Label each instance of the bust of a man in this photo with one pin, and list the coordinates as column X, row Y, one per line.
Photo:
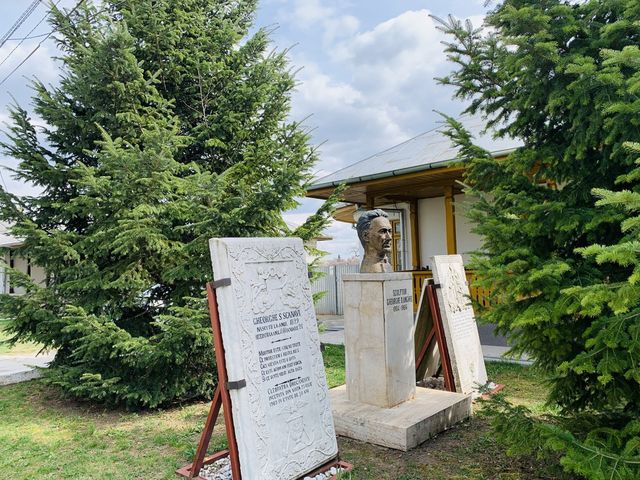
column 374, row 232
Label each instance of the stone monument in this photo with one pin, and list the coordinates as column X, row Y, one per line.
column 374, row 232
column 380, row 402
column 281, row 412
column 378, row 334
column 459, row 324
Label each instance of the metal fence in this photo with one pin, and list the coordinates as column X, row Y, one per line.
column 331, row 284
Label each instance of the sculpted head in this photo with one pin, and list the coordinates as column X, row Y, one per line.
column 374, row 232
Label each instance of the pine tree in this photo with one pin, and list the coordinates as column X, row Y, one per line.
column 169, row 127
column 562, row 77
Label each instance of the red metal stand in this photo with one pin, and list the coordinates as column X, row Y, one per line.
column 425, row 348
column 221, row 398
column 437, row 331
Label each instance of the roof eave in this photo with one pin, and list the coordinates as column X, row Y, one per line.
column 401, row 171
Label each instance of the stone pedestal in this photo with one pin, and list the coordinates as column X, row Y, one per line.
column 378, row 324
column 404, row 426
column 380, row 403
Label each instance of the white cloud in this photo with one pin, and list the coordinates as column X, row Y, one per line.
column 305, row 14
column 402, row 51
column 333, row 93
column 375, row 90
column 40, row 64
column 344, row 240
column 352, row 123
column 339, row 26
column 383, row 94
column 4, row 120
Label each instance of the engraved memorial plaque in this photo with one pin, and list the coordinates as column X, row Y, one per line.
column 282, row 417
column 378, row 313
column 459, row 323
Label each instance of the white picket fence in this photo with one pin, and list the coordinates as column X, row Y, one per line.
column 331, row 284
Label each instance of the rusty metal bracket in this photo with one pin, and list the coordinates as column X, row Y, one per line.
column 431, row 281
column 236, row 385
column 223, row 282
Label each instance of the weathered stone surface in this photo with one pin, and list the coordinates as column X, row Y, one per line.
column 404, row 426
column 282, row 418
column 378, row 318
column 460, row 328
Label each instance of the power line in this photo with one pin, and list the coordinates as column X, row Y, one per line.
column 39, row 45
column 27, row 37
column 19, row 22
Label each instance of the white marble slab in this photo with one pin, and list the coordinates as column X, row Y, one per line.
column 282, row 418
column 460, row 328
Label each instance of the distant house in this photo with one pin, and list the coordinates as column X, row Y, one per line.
column 417, row 183
column 9, row 257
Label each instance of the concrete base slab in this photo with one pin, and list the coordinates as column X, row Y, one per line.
column 404, row 426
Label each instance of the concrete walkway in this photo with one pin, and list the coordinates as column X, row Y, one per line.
column 20, row 368
column 333, row 333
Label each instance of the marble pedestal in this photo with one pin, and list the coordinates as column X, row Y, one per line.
column 380, row 402
column 378, row 334
column 404, row 426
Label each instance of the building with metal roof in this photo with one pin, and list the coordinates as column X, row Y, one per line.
column 418, row 182
column 429, row 150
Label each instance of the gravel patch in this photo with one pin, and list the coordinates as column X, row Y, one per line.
column 221, row 470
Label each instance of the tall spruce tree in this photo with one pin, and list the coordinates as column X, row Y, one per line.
column 562, row 77
column 169, row 126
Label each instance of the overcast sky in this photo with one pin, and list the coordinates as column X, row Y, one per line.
column 366, row 84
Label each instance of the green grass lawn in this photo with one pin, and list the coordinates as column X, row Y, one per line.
column 45, row 436
column 17, row 349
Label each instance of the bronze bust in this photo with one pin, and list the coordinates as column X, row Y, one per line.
column 374, row 232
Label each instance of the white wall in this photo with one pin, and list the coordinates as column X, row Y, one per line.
column 4, row 286
column 38, row 274
column 466, row 241
column 21, row 264
column 432, row 231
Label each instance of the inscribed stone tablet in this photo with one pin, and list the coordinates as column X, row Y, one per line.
column 282, row 418
column 461, row 331
column 378, row 317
